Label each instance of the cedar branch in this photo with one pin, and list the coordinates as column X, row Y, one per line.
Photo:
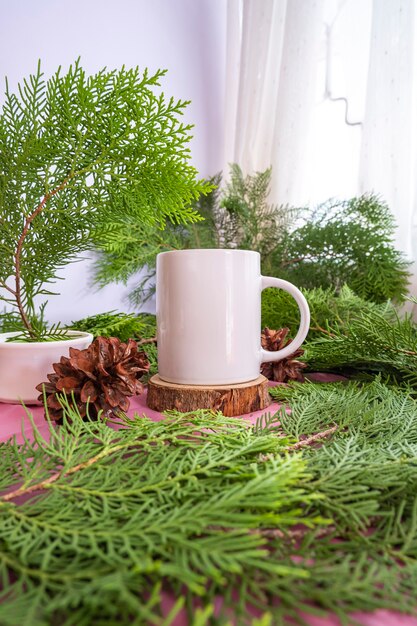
column 302, row 443
column 143, row 342
column 18, row 255
column 44, row 484
column 322, row 330
column 9, row 289
column 313, row 438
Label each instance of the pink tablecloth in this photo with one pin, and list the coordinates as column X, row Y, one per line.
column 11, row 424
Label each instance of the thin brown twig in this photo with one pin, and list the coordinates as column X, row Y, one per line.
column 300, row 444
column 323, row 330
column 44, row 484
column 410, row 352
column 313, row 438
column 292, row 261
column 9, row 289
column 18, row 292
column 296, row 533
column 143, row 342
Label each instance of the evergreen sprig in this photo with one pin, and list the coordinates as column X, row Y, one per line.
column 370, row 343
column 311, row 510
column 132, row 248
column 366, row 470
column 110, row 515
column 244, row 218
column 79, row 158
column 118, row 324
column 340, row 243
column 331, row 310
column 335, row 244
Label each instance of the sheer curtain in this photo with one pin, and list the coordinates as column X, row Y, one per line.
column 325, row 91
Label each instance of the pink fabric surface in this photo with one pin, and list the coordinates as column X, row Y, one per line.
column 14, row 421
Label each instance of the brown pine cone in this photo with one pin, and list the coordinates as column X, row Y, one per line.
column 287, row 369
column 105, row 374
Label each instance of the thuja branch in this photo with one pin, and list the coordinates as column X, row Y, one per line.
column 74, row 126
column 143, row 342
column 47, row 482
column 302, row 443
column 18, row 255
column 3, row 285
column 221, row 519
column 308, row 441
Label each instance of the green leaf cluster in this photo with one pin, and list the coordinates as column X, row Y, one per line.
column 331, row 311
column 82, row 158
column 349, row 335
column 239, row 215
column 372, row 344
column 341, row 243
column 10, row 322
column 366, row 472
column 373, row 450
column 117, row 324
column 133, row 248
column 174, row 505
column 335, row 244
column 222, row 517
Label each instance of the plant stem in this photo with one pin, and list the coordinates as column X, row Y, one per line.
column 312, row 439
column 302, row 443
column 18, row 255
column 322, row 330
column 44, row 484
column 9, row 289
column 142, row 342
column 106, row 452
column 292, row 261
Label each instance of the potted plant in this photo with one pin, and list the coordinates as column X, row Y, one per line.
column 80, row 156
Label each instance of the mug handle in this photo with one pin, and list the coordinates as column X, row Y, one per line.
column 268, row 356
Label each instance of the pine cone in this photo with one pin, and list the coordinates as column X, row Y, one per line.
column 287, row 369
column 106, row 374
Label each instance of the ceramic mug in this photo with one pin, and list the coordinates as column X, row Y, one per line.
column 208, row 307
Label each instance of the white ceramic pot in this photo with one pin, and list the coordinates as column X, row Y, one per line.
column 25, row 365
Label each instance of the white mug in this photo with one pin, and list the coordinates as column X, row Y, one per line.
column 208, row 307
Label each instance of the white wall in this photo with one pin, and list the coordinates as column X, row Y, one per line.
column 187, row 37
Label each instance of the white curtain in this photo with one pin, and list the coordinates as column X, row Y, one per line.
column 325, row 91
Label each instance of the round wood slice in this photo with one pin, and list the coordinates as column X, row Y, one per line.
column 231, row 400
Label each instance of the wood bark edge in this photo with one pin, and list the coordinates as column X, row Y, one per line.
column 231, row 400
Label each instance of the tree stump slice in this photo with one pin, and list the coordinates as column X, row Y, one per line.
column 231, row 400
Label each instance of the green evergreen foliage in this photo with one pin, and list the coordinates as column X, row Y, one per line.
column 170, row 503
column 312, row 510
column 373, row 450
column 152, row 354
column 344, row 243
column 80, row 158
column 334, row 244
column 239, row 215
column 349, row 335
column 371, row 343
column 115, row 324
column 124, row 326
column 366, row 471
column 330, row 310
column 205, row 234
column 10, row 322
column 133, row 247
